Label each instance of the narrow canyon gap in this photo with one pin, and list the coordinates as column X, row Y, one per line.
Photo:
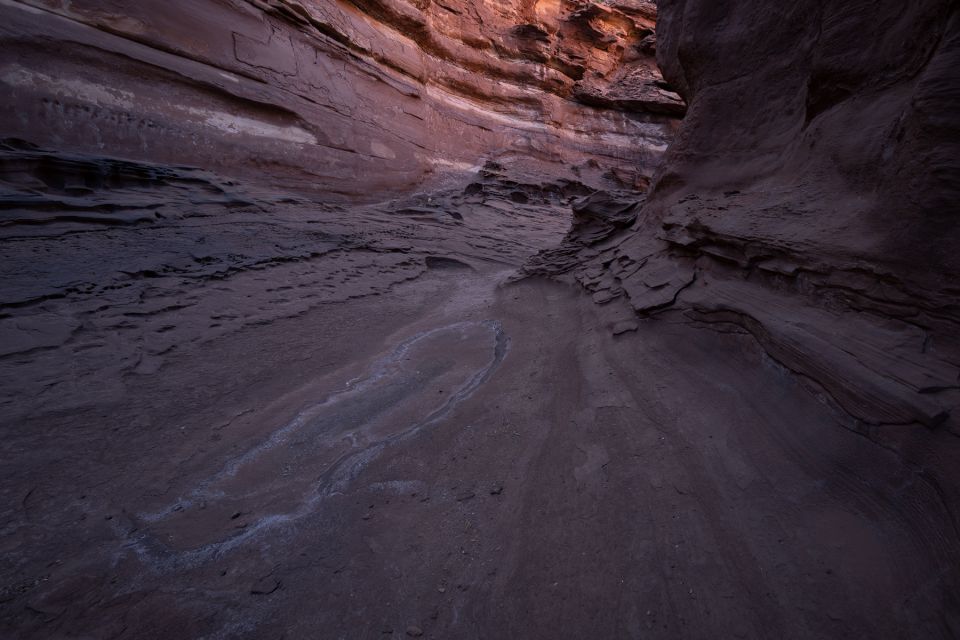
column 479, row 319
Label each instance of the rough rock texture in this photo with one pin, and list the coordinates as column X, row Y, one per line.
column 272, row 364
column 131, row 263
column 811, row 198
column 354, row 98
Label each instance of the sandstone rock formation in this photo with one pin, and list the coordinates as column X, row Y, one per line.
column 294, row 339
column 338, row 97
column 811, row 198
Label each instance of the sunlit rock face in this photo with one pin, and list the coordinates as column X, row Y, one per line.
column 349, row 98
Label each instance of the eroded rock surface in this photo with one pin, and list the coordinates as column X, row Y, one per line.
column 359, row 99
column 810, row 198
column 273, row 364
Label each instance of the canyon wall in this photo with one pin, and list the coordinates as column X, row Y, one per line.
column 237, row 402
column 811, row 199
column 358, row 99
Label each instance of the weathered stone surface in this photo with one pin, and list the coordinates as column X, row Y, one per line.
column 272, row 364
column 811, row 196
column 349, row 98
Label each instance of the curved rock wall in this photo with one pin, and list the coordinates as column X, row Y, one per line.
column 250, row 414
column 811, row 197
column 355, row 98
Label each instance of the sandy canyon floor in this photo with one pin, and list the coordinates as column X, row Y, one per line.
column 359, row 422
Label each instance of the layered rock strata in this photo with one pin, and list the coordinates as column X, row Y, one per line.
column 810, row 199
column 349, row 98
column 238, row 402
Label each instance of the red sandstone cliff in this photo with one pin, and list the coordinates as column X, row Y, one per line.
column 355, row 98
column 263, row 372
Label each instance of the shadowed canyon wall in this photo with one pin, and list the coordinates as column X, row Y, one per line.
column 354, row 98
column 811, row 198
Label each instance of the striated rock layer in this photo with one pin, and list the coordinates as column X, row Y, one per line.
column 271, row 367
column 353, row 98
column 810, row 199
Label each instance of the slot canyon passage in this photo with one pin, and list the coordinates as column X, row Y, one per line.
column 479, row 319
